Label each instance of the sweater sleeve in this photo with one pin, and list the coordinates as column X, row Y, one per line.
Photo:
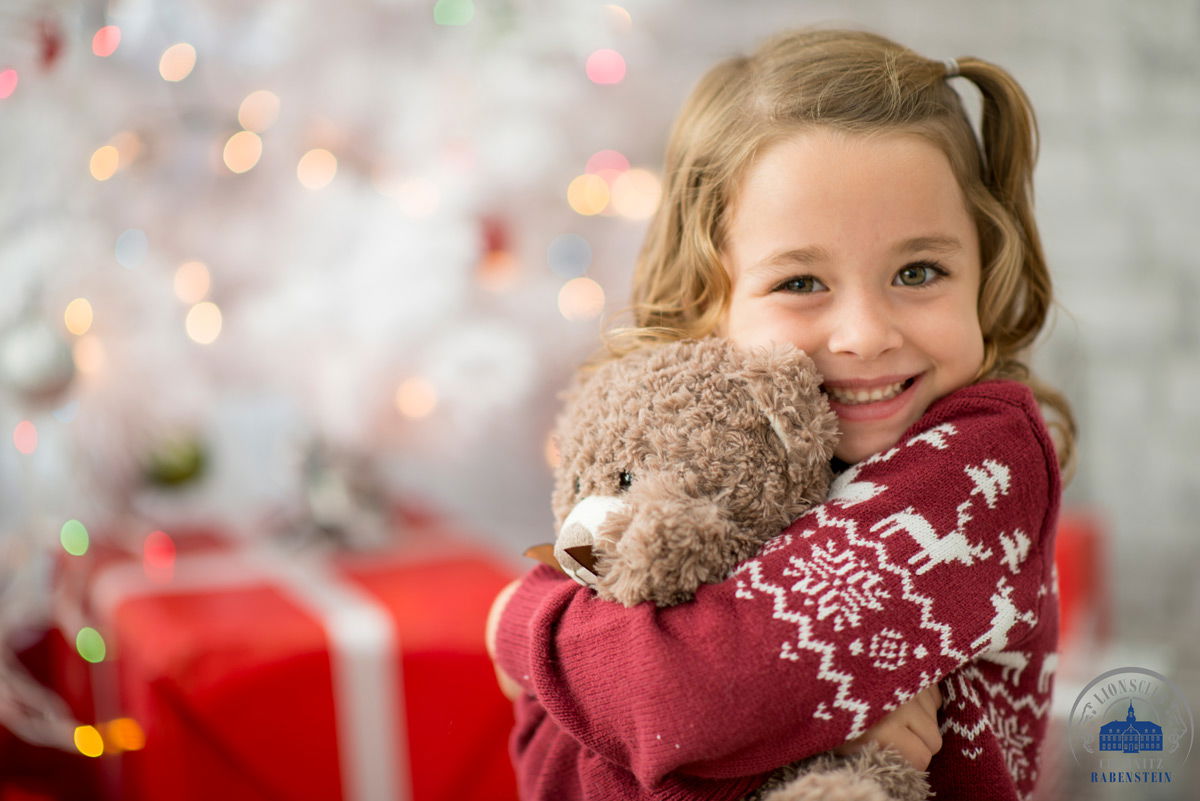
column 923, row 558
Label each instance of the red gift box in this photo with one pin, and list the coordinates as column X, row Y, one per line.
column 257, row 675
column 1084, row 597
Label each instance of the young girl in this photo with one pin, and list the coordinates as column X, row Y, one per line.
column 829, row 191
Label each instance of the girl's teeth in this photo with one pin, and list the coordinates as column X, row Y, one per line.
column 852, row 396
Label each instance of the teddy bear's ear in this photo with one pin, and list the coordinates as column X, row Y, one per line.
column 785, row 384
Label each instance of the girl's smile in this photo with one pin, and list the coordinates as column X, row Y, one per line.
column 869, row 400
column 859, row 250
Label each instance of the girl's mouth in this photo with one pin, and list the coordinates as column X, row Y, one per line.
column 854, row 405
column 857, row 397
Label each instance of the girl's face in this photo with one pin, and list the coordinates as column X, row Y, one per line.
column 860, row 251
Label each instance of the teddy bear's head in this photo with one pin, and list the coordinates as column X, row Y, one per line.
column 678, row 461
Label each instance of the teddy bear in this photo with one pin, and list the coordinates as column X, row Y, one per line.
column 680, row 460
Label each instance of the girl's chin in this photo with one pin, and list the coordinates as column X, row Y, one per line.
column 858, row 445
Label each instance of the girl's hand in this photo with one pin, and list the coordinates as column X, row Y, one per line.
column 507, row 685
column 911, row 729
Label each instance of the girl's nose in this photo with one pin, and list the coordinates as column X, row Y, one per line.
column 863, row 325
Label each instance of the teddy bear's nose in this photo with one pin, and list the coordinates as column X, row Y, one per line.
column 583, row 555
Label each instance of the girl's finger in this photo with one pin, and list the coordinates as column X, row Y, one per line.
column 913, row 749
column 927, row 732
column 930, row 699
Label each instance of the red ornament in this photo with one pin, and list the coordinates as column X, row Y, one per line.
column 50, row 43
column 495, row 234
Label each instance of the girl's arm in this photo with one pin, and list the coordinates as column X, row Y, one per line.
column 925, row 557
column 911, row 729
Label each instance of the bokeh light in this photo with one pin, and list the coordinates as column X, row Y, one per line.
column 89, row 355
column 129, row 145
column 316, row 168
column 192, row 282
column 619, row 17
column 74, row 537
column 177, row 62
column 125, row 734
column 550, row 452
column 25, row 437
column 88, row 741
column 453, row 12
column 416, row 398
column 581, row 299
column 242, row 151
column 106, row 41
column 90, row 645
column 570, row 255
column 66, row 413
column 105, row 162
column 203, row 323
column 8, row 82
column 158, row 557
column 608, row 164
column 588, row 194
column 259, row 111
column 636, row 194
column 132, row 246
column 498, row 271
column 605, row 67
column 78, row 316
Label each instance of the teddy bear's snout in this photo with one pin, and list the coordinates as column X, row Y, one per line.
column 573, row 548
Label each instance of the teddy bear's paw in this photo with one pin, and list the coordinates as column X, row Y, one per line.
column 870, row 774
column 840, row 785
column 883, row 767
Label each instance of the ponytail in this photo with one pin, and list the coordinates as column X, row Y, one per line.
column 1016, row 293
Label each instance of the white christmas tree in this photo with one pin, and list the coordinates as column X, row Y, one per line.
column 236, row 235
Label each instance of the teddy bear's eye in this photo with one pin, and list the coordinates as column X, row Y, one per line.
column 624, row 481
column 576, row 486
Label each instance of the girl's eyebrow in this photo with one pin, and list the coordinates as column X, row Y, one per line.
column 814, row 254
column 939, row 243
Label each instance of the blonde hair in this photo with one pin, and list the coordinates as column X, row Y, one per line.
column 861, row 83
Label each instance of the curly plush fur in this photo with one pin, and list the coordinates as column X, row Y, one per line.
column 681, row 460
column 721, row 449
column 872, row 774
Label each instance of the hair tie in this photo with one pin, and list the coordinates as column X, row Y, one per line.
column 951, row 65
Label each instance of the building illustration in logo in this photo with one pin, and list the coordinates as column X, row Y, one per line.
column 1131, row 735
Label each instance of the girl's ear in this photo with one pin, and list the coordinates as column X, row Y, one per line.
column 785, row 385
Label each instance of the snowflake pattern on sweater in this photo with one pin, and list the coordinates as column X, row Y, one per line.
column 843, row 578
column 929, row 563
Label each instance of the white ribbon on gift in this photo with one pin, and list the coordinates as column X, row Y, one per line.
column 364, row 657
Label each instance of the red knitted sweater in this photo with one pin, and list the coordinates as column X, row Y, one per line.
column 929, row 562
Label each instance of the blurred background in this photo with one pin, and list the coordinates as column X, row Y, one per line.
column 289, row 289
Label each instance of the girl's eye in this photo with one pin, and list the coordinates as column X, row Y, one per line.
column 624, row 481
column 801, row 284
column 919, row 274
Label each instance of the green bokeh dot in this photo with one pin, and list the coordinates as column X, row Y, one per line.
column 90, row 644
column 453, row 12
column 74, row 538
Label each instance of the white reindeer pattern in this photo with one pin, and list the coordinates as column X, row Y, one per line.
column 935, row 550
column 991, row 480
column 1007, row 615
